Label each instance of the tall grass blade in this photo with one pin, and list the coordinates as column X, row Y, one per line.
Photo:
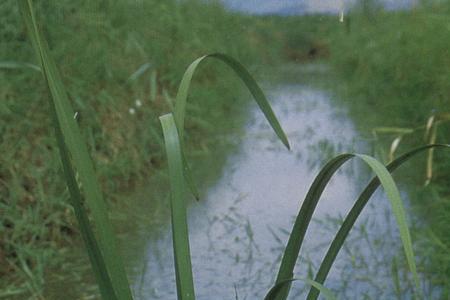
column 139, row 72
column 304, row 217
column 76, row 158
column 394, row 130
column 153, row 85
column 180, row 237
column 354, row 213
column 278, row 288
column 394, row 146
column 87, row 233
column 18, row 65
column 398, row 210
column 298, row 232
column 429, row 171
column 430, row 123
column 244, row 75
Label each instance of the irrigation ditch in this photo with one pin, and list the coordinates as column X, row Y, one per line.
column 250, row 195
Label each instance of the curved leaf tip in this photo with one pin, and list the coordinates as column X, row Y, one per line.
column 246, row 78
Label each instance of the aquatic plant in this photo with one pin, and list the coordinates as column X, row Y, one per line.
column 92, row 214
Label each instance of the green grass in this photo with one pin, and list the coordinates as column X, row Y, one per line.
column 119, row 80
column 106, row 261
column 92, row 213
column 285, row 275
column 396, row 64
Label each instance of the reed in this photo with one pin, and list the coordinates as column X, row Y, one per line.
column 92, row 214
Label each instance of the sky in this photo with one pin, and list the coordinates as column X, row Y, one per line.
column 302, row 6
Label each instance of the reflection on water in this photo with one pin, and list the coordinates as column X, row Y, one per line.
column 239, row 230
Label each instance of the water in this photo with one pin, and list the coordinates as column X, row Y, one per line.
column 239, row 229
column 295, row 7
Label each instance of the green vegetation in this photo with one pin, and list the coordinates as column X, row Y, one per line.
column 119, row 80
column 122, row 73
column 396, row 63
column 100, row 245
column 106, row 261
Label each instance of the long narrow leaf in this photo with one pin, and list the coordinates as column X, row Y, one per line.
column 87, row 233
column 298, row 232
column 354, row 213
column 255, row 90
column 393, row 194
column 78, row 154
column 244, row 75
column 18, row 65
column 304, row 217
column 277, row 289
column 183, row 266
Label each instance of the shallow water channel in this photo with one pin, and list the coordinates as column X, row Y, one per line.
column 240, row 227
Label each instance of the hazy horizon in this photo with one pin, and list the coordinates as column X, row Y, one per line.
column 304, row 6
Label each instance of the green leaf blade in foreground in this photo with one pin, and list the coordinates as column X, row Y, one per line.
column 393, row 194
column 277, row 288
column 291, row 253
column 304, row 217
column 18, row 65
column 244, row 75
column 255, row 90
column 180, row 234
column 76, row 200
column 354, row 213
column 77, row 152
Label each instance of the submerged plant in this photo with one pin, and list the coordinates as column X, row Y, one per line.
column 98, row 235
